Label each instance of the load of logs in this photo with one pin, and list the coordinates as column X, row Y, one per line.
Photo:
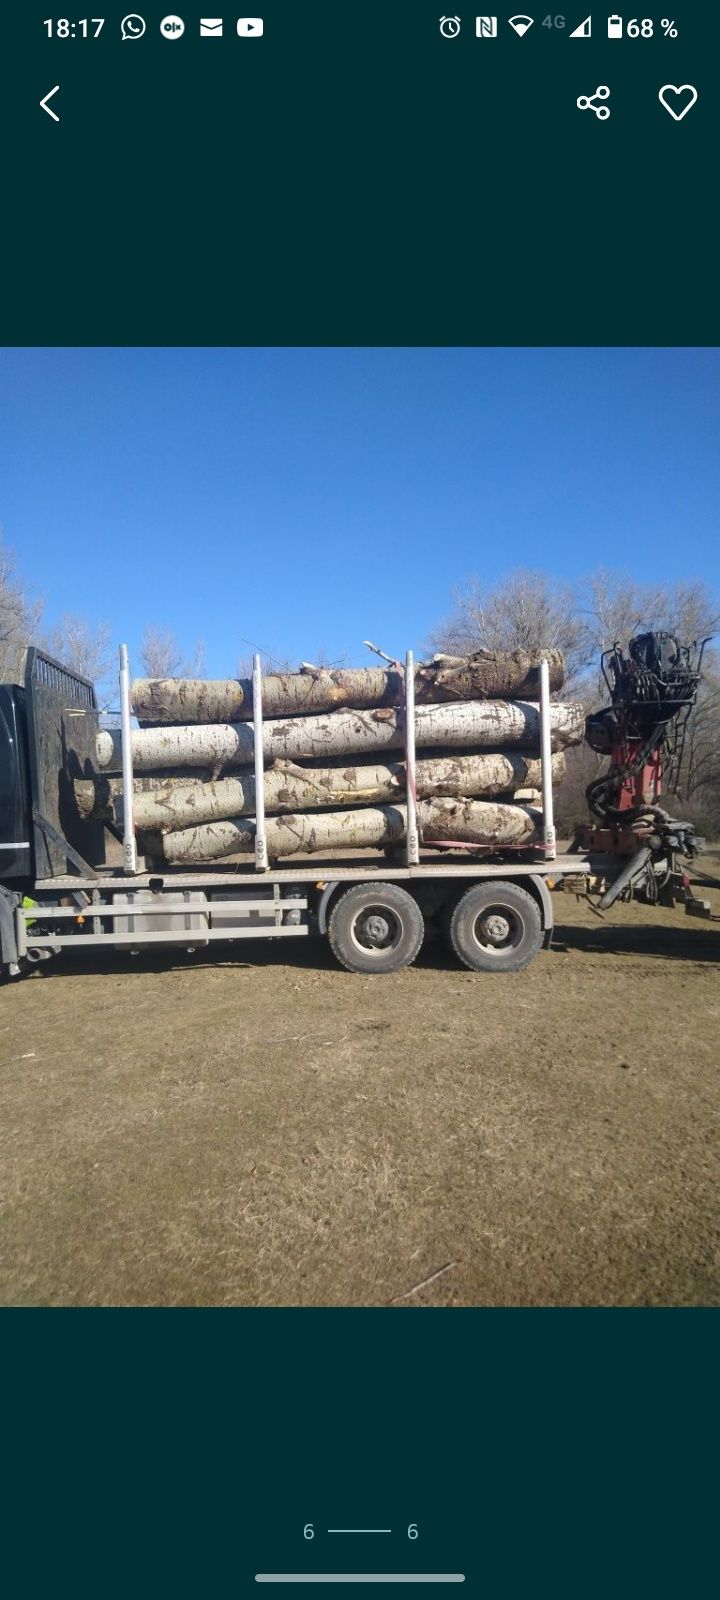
column 334, row 775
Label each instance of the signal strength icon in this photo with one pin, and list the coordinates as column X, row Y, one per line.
column 583, row 31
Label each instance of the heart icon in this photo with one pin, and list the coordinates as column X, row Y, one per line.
column 678, row 101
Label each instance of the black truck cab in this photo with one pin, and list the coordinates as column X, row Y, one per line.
column 47, row 738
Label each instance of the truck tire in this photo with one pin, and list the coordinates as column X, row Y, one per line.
column 375, row 927
column 496, row 927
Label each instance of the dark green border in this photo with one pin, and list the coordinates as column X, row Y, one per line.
column 354, row 179
column 180, row 1452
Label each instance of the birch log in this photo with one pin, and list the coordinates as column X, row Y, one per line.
column 488, row 674
column 487, row 724
column 171, row 803
column 476, row 822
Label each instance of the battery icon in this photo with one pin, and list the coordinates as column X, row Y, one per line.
column 615, row 27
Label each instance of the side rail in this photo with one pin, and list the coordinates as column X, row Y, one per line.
column 135, row 918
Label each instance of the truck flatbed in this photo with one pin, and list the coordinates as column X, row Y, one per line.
column 325, row 869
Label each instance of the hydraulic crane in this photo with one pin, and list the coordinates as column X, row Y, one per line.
column 653, row 689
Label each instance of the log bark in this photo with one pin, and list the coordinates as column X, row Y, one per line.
column 478, row 822
column 486, row 675
column 171, row 804
column 487, row 724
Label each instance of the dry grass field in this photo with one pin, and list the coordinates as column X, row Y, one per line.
column 272, row 1130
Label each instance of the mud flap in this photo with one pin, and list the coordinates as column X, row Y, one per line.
column 547, row 910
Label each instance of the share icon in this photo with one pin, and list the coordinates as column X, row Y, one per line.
column 589, row 102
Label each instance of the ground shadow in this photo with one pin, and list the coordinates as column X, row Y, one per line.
column 300, row 953
column 692, row 943
column 695, row 942
column 311, row 954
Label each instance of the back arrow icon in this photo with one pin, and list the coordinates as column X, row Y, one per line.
column 45, row 106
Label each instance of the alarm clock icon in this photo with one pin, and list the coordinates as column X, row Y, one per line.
column 449, row 27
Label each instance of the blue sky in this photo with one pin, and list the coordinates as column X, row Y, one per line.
column 314, row 498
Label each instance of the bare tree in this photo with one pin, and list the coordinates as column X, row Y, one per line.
column 162, row 656
column 524, row 611
column 270, row 661
column 688, row 610
column 615, row 607
column 19, row 618
column 699, row 783
column 84, row 647
column 320, row 657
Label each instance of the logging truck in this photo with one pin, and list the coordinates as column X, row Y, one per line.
column 60, row 890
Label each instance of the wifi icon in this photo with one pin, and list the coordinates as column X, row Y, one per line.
column 521, row 24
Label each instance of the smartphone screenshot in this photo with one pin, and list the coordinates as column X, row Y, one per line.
column 359, row 799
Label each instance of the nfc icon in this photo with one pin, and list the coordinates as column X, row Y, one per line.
column 486, row 27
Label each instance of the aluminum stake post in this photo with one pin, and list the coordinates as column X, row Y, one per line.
column 261, row 855
column 129, row 841
column 546, row 764
column 412, row 845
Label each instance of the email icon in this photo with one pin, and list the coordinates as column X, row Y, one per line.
column 211, row 27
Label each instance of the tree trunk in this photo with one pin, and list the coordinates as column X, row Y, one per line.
column 489, row 674
column 471, row 821
column 171, row 803
column 489, row 724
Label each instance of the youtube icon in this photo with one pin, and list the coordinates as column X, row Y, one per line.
column 250, row 27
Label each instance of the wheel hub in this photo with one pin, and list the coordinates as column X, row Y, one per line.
column 375, row 930
column 496, row 928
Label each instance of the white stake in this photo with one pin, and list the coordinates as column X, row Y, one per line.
column 261, row 855
column 412, row 847
column 546, row 764
column 129, row 843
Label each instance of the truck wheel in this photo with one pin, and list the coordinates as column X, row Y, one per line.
column 375, row 927
column 496, row 927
